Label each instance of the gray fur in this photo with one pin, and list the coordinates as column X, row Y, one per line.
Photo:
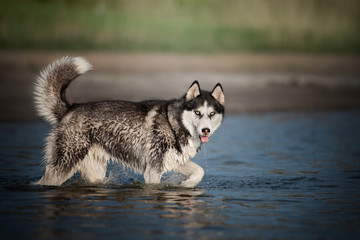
column 151, row 137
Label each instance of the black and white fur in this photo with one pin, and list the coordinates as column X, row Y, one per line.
column 152, row 137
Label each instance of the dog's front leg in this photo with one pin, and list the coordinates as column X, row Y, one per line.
column 192, row 171
column 152, row 176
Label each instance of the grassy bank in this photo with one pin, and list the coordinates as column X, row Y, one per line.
column 330, row 26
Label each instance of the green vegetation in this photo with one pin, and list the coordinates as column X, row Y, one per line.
column 331, row 26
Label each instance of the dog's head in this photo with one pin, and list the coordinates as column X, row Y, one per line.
column 204, row 111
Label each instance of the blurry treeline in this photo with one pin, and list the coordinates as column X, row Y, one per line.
column 330, row 26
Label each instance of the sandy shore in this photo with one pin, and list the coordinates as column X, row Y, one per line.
column 252, row 82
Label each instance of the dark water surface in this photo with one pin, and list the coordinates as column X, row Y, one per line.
column 275, row 175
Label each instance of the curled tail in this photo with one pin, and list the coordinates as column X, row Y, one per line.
column 50, row 86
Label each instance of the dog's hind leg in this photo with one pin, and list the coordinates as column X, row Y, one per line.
column 192, row 171
column 54, row 177
column 94, row 165
column 63, row 156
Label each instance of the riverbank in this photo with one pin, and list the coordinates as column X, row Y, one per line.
column 252, row 82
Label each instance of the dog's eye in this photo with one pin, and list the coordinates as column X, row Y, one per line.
column 212, row 114
column 197, row 113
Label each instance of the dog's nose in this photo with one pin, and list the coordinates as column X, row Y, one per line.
column 205, row 131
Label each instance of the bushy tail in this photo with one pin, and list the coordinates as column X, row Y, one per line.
column 50, row 86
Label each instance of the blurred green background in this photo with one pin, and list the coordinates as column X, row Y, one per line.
column 311, row 26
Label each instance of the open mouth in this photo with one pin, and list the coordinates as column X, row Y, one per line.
column 204, row 138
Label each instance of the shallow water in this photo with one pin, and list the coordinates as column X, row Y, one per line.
column 274, row 175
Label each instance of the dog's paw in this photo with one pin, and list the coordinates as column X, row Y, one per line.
column 188, row 184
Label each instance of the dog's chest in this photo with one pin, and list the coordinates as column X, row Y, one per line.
column 174, row 158
column 190, row 149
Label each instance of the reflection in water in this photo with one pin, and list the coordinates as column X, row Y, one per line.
column 99, row 206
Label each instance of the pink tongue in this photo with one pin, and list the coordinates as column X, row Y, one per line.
column 204, row 139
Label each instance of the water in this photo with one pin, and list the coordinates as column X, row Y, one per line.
column 275, row 175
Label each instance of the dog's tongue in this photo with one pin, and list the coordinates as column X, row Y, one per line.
column 204, row 139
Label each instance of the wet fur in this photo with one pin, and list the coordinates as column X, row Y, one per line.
column 151, row 137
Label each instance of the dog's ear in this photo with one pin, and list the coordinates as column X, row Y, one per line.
column 193, row 91
column 218, row 94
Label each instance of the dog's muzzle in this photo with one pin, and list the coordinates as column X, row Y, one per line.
column 205, row 135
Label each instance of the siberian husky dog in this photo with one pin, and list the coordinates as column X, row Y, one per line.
column 152, row 137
